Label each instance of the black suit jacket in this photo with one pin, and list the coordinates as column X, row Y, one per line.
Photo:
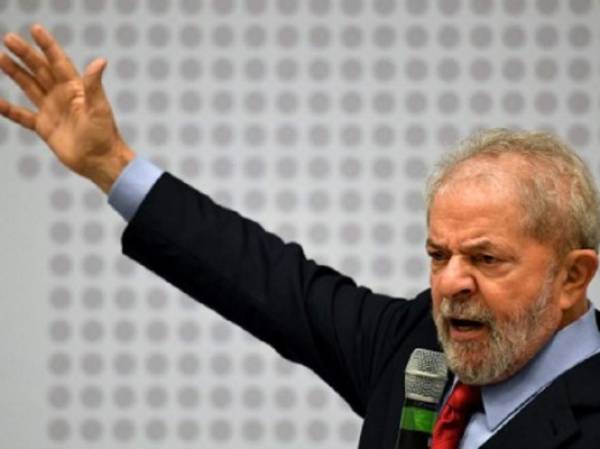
column 357, row 341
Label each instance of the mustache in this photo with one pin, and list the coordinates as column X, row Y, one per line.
column 466, row 309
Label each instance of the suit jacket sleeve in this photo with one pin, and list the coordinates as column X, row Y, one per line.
column 309, row 313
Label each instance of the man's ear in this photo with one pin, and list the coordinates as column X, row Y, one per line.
column 578, row 269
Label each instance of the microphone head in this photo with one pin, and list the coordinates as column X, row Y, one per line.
column 425, row 376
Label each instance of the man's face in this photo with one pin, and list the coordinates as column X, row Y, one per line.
column 492, row 284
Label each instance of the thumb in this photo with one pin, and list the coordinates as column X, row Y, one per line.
column 92, row 82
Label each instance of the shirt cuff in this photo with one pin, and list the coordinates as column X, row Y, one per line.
column 132, row 186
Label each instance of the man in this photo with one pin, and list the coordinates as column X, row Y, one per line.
column 513, row 233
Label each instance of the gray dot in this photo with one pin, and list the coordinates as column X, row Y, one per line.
column 188, row 430
column 156, row 396
column 287, row 69
column 92, row 363
column 350, row 201
column 58, row 429
column 350, row 233
column 156, row 430
column 59, row 363
column 126, row 35
column 59, row 397
column 513, row 69
column 547, row 7
column 382, row 201
column 416, row 7
column 253, row 397
column 253, row 364
column 481, row 103
column 190, row 101
column 190, row 6
column 221, row 364
column 129, row 132
column 124, row 267
column 254, row 135
column 481, row 69
column 61, row 199
column 545, row 102
column 351, row 7
column 189, row 364
column 513, row 36
column 285, row 430
column 415, row 135
column 255, row 101
column 254, row 167
column 189, row 331
column 94, row 6
column 385, row 36
column 546, row 36
column 157, row 298
column 252, row 430
column 256, row 6
column 222, row 7
column 126, row 101
column 286, row 167
column 126, row 6
column 287, row 36
column 255, row 69
column 513, row 102
column 156, row 331
column 319, row 70
column 319, row 36
column 190, row 69
column 414, row 201
column 416, row 102
column 287, row 232
column 92, row 265
column 158, row 6
column 319, row 102
column 482, row 7
column 220, row 430
column 320, row 7
column 578, row 135
column 319, row 168
column 384, row 7
column 414, row 266
column 318, row 200
column 156, row 364
column 514, row 7
column 61, row 232
column 222, row 167
column 158, row 101
column 3, row 128
column 125, row 298
column 351, row 36
column 481, row 36
column 382, row 233
column 189, row 135
column 61, row 6
column 546, row 69
column 384, row 102
column 351, row 69
column 318, row 233
column 60, row 264
column 91, row 397
column 319, row 135
column 317, row 430
column 316, row 398
column 350, row 265
column 579, row 69
column 60, row 297
column 384, row 69
column 92, row 331
column 254, row 200
column 416, row 36
column 190, row 35
column 285, row 398
column 255, row 36
column 447, row 135
column 222, row 36
column 127, row 68
column 62, row 32
column 384, row 136
column 448, row 102
column 580, row 6
column 221, row 331
column 94, row 35
column 447, row 70
column 579, row 36
column 222, row 69
column 221, row 397
column 188, row 397
column 223, row 197
column 414, row 234
column 448, row 36
column 123, row 430
column 579, row 102
column 350, row 168
column 415, row 168
column 124, row 331
column 383, row 168
column 382, row 267
column 222, row 135
column 28, row 165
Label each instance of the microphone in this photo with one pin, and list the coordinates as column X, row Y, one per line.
column 424, row 380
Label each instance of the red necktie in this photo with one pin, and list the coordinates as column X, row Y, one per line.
column 455, row 415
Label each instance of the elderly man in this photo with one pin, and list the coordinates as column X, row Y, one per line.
column 513, row 232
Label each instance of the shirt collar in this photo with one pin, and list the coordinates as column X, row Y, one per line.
column 571, row 345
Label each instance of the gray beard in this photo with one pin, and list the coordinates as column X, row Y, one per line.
column 487, row 362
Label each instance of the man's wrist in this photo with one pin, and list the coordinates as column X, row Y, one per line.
column 112, row 167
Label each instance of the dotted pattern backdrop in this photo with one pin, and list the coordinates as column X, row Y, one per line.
column 318, row 118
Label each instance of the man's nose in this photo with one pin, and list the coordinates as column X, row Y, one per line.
column 456, row 279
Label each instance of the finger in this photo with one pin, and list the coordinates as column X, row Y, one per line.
column 17, row 114
column 24, row 80
column 92, row 83
column 60, row 65
column 35, row 61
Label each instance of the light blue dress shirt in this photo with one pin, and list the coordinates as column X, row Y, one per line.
column 572, row 345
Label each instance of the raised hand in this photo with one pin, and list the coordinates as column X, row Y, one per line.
column 73, row 115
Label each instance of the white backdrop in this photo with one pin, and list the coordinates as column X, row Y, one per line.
column 320, row 119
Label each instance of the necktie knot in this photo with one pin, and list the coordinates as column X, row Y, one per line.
column 455, row 416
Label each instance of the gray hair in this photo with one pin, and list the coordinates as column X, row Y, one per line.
column 560, row 201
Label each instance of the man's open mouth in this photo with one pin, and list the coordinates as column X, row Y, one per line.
column 463, row 325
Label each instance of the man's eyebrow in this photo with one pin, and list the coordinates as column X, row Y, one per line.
column 480, row 244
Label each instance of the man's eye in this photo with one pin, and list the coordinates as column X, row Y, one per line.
column 436, row 256
column 485, row 259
